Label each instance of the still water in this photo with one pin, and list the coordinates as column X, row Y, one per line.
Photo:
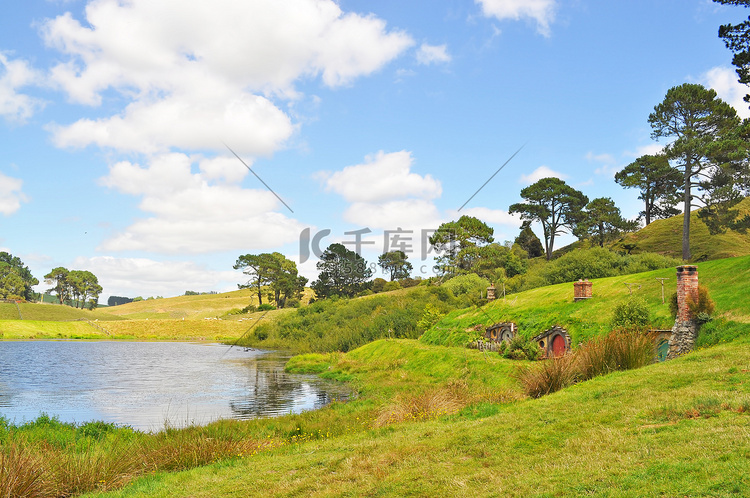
column 147, row 384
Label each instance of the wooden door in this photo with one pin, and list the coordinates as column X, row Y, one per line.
column 558, row 345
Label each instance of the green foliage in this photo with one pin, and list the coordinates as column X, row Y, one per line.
column 471, row 285
column 396, row 264
column 273, row 270
column 520, row 348
column 631, row 314
column 659, row 186
column 378, row 284
column 342, row 273
column 391, row 286
column 602, row 222
column 430, row 317
column 266, row 307
column 529, row 242
column 458, row 241
column 554, row 204
column 338, row 324
column 16, row 280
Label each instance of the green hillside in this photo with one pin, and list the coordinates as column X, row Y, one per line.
column 539, row 309
column 665, row 237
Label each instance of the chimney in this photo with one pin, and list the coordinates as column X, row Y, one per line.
column 687, row 285
column 491, row 292
column 583, row 289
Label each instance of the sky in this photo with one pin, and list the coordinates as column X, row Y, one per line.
column 153, row 142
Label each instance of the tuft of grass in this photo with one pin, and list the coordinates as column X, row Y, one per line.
column 619, row 350
column 21, row 472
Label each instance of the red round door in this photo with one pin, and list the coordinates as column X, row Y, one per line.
column 558, row 345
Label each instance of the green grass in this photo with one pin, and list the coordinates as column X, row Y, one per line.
column 669, row 429
column 539, row 309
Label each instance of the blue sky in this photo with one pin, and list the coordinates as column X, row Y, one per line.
column 115, row 118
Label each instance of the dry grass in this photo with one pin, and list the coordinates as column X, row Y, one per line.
column 619, row 350
column 21, row 473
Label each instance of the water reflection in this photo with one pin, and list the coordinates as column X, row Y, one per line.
column 145, row 384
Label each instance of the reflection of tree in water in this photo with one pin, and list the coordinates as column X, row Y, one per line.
column 271, row 391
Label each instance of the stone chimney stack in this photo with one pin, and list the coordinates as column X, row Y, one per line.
column 491, row 292
column 685, row 330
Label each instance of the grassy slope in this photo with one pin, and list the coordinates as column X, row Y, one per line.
column 677, row 429
column 177, row 318
column 538, row 309
column 665, row 237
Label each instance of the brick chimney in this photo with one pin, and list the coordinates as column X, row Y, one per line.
column 685, row 330
column 583, row 289
column 687, row 285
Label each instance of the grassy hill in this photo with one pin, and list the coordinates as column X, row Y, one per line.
column 539, row 309
column 665, row 237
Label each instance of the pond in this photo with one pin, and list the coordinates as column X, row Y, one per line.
column 146, row 385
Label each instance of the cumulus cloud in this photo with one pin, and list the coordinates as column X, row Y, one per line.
column 15, row 74
column 200, row 72
column 11, row 195
column 190, row 214
column 146, row 277
column 540, row 11
column 382, row 177
column 608, row 164
column 433, row 54
column 539, row 173
column 724, row 81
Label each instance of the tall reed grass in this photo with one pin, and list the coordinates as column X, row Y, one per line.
column 618, row 350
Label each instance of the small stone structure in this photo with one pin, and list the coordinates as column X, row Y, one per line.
column 685, row 329
column 583, row 289
column 554, row 342
column 491, row 292
column 501, row 331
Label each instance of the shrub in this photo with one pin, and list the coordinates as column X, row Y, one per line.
column 410, row 282
column 378, row 284
column 391, row 286
column 703, row 308
column 430, row 317
column 250, row 308
column 266, row 307
column 631, row 314
column 471, row 284
column 582, row 263
column 520, row 348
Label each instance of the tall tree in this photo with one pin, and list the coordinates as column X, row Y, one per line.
column 737, row 39
column 396, row 264
column 84, row 287
column 59, row 278
column 603, row 222
column 528, row 240
column 261, row 269
column 455, row 240
column 17, row 280
column 342, row 272
column 697, row 123
column 659, row 183
column 554, row 204
column 285, row 283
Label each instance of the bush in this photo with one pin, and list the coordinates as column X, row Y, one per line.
column 703, row 308
column 391, row 286
column 548, row 376
column 378, row 284
column 250, row 308
column 471, row 284
column 266, row 307
column 632, row 314
column 520, row 348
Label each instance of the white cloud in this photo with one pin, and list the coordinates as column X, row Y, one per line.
column 132, row 277
column 608, row 165
column 540, row 11
column 11, row 195
column 192, row 215
column 433, row 54
column 404, row 213
column 539, row 173
column 16, row 74
column 724, row 81
column 491, row 216
column 383, row 177
column 650, row 150
column 197, row 72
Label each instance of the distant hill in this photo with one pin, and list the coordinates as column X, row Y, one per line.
column 665, row 237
